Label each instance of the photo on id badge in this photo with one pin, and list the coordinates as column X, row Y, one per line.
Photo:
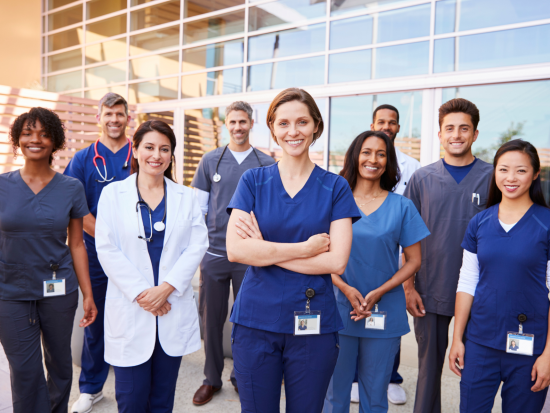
column 305, row 324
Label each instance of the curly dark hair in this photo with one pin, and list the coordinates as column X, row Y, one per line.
column 49, row 120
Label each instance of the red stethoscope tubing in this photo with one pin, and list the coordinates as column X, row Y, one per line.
column 98, row 156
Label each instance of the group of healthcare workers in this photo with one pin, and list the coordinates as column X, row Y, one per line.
column 314, row 260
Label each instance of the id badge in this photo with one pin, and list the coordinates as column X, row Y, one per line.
column 377, row 320
column 307, row 323
column 55, row 287
column 519, row 343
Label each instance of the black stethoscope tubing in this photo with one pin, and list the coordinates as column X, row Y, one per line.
column 217, row 177
column 140, row 203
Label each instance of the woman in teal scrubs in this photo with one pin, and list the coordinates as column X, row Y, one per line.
column 372, row 279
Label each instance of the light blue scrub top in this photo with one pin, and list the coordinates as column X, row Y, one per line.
column 374, row 259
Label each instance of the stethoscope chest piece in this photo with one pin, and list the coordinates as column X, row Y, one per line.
column 217, row 177
column 159, row 226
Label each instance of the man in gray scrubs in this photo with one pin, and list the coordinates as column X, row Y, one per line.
column 447, row 193
column 215, row 182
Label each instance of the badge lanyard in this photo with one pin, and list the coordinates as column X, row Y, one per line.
column 158, row 226
column 307, row 322
column 55, row 286
column 377, row 319
column 98, row 156
column 217, row 177
column 519, row 342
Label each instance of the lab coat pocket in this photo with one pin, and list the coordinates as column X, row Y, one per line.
column 184, row 232
column 188, row 317
column 119, row 319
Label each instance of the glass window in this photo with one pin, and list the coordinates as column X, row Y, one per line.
column 477, row 14
column 352, row 115
column 106, row 28
column 155, row 40
column 403, row 60
column 212, row 55
column 444, row 55
column 347, row 6
column 198, row 7
column 96, row 8
column 97, row 94
column 306, row 39
column 65, row 18
column 155, row 15
column 284, row 11
column 349, row 67
column 153, row 91
column 153, row 66
column 54, row 4
column 404, row 23
column 66, row 81
column 280, row 75
column 65, row 39
column 510, row 111
column 356, row 31
column 213, row 27
column 65, row 60
column 528, row 45
column 106, row 74
column 102, row 52
column 221, row 82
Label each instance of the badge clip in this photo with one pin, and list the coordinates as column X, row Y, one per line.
column 54, row 286
column 307, row 322
column 519, row 342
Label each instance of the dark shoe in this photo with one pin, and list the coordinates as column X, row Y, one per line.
column 204, row 394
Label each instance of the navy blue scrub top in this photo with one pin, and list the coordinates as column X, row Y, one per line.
column 33, row 234
column 512, row 278
column 374, row 259
column 82, row 168
column 155, row 246
column 269, row 295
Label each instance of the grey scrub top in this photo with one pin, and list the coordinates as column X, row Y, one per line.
column 221, row 192
column 446, row 207
column 33, row 234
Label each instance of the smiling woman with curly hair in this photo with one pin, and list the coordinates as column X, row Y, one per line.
column 39, row 272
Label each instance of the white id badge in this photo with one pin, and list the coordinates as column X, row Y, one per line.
column 377, row 320
column 307, row 323
column 54, row 287
column 518, row 343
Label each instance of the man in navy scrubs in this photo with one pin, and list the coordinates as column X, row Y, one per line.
column 447, row 193
column 215, row 181
column 114, row 150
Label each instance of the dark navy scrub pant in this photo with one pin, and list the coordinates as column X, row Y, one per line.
column 149, row 387
column 94, row 368
column 261, row 358
column 22, row 325
column 485, row 368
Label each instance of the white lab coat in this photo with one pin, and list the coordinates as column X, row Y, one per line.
column 130, row 331
column 407, row 166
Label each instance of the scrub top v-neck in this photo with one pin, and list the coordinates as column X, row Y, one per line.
column 512, row 276
column 269, row 295
column 33, row 234
column 374, row 259
column 154, row 247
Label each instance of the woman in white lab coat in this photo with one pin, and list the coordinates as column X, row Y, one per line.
column 150, row 240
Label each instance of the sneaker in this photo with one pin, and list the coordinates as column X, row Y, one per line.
column 355, row 393
column 396, row 394
column 85, row 402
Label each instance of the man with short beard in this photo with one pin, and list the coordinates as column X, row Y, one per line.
column 215, row 181
column 105, row 161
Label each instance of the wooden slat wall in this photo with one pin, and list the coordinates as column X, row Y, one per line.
column 78, row 115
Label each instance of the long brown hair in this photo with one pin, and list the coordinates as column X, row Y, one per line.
column 162, row 128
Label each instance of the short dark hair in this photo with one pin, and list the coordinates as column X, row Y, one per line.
column 459, row 105
column 390, row 107
column 535, row 190
column 294, row 94
column 162, row 128
column 390, row 177
column 50, row 122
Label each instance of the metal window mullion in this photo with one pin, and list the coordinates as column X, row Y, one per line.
column 327, row 40
column 245, row 48
column 432, row 42
column 180, row 67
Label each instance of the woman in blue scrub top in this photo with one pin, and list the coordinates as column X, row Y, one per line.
column 505, row 277
column 372, row 276
column 151, row 319
column 292, row 223
column 38, row 207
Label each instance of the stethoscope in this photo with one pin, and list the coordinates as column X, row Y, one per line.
column 217, row 177
column 98, row 156
column 158, row 226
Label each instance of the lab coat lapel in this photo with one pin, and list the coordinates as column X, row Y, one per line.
column 174, row 194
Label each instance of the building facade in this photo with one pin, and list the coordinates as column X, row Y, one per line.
column 185, row 60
